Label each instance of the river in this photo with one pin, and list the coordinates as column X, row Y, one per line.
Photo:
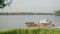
column 18, row 21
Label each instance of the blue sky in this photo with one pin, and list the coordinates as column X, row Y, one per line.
column 32, row 6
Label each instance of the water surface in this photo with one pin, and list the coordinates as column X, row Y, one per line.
column 18, row 21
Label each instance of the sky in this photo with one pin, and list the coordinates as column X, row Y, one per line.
column 32, row 6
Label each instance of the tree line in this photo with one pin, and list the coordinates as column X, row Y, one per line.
column 56, row 12
column 24, row 13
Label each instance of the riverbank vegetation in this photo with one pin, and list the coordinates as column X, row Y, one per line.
column 24, row 13
column 31, row 31
column 57, row 12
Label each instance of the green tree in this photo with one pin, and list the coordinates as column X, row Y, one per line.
column 4, row 3
column 57, row 12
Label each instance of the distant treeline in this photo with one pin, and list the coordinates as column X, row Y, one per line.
column 56, row 12
column 24, row 13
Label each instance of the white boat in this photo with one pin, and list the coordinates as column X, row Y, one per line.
column 42, row 23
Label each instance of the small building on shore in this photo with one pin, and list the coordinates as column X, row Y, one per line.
column 41, row 23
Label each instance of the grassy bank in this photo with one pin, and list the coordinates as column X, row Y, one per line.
column 31, row 31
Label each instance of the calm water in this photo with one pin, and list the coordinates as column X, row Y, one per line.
column 17, row 21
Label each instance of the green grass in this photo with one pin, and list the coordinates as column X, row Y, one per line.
column 31, row 31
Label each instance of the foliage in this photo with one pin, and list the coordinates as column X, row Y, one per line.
column 57, row 12
column 4, row 3
column 32, row 31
